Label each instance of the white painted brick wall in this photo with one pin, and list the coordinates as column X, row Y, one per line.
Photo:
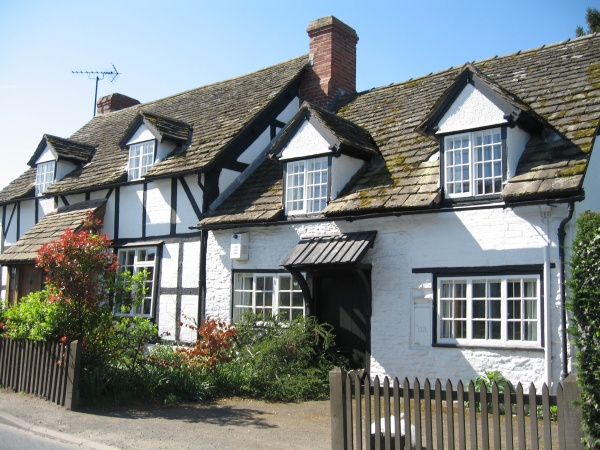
column 492, row 237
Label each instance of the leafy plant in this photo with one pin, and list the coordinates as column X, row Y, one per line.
column 213, row 346
column 584, row 303
column 286, row 361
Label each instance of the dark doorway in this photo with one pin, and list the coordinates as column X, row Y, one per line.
column 342, row 300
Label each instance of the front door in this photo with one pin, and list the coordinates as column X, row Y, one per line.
column 342, row 300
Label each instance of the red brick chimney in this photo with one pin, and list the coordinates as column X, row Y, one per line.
column 114, row 102
column 333, row 52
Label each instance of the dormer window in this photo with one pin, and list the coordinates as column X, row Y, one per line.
column 141, row 159
column 306, row 185
column 473, row 163
column 44, row 177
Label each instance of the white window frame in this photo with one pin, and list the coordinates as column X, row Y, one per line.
column 138, row 262
column 306, row 185
column 474, row 163
column 44, row 177
column 265, row 292
column 141, row 159
column 461, row 320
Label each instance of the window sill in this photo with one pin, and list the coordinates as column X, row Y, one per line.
column 489, row 347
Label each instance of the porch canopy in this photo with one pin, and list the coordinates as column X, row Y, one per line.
column 339, row 250
column 343, row 251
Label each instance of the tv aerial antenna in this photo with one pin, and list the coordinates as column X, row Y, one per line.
column 98, row 75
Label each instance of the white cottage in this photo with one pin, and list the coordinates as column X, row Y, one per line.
column 425, row 220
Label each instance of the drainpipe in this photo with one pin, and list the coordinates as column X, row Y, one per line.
column 563, row 285
column 545, row 212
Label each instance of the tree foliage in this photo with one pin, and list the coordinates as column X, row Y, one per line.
column 83, row 288
column 584, row 303
column 592, row 17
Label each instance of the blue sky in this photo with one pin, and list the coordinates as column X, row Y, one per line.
column 166, row 47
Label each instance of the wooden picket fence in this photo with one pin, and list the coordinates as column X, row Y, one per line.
column 440, row 416
column 47, row 369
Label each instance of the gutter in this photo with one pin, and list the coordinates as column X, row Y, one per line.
column 563, row 285
column 376, row 215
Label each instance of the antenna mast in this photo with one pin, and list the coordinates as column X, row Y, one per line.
column 98, row 75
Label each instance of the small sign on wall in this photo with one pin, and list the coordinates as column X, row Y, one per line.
column 421, row 330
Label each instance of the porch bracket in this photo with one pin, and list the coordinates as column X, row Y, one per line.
column 304, row 286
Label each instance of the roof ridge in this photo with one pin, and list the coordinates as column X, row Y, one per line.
column 479, row 61
column 216, row 83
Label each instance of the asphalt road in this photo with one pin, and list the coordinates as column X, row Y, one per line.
column 14, row 438
column 226, row 424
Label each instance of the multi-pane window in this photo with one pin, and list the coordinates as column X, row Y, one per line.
column 141, row 158
column 473, row 163
column 306, row 184
column 496, row 311
column 44, row 177
column 136, row 260
column 274, row 294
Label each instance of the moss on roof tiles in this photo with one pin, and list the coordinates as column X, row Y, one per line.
column 560, row 83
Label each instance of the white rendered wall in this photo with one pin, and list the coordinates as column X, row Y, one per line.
column 186, row 217
column 516, row 140
column 471, row 109
column 63, row 168
column 307, row 142
column 27, row 216
column 342, row 169
column 130, row 211
column 45, row 205
column 261, row 143
column 109, row 213
column 158, row 208
column 46, row 155
column 167, row 312
column 226, row 177
column 591, row 183
column 401, row 299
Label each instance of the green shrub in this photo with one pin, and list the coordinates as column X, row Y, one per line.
column 584, row 303
column 34, row 318
column 286, row 361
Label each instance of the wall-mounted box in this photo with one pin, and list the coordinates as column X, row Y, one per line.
column 239, row 246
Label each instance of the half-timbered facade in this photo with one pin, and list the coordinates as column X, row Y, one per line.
column 155, row 167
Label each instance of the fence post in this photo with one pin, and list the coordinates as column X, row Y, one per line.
column 72, row 394
column 572, row 413
column 337, row 394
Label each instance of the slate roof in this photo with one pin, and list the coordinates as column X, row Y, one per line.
column 50, row 228
column 169, row 129
column 65, row 149
column 351, row 138
column 559, row 84
column 218, row 113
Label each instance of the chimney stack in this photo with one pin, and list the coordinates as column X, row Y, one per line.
column 333, row 52
column 114, row 102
